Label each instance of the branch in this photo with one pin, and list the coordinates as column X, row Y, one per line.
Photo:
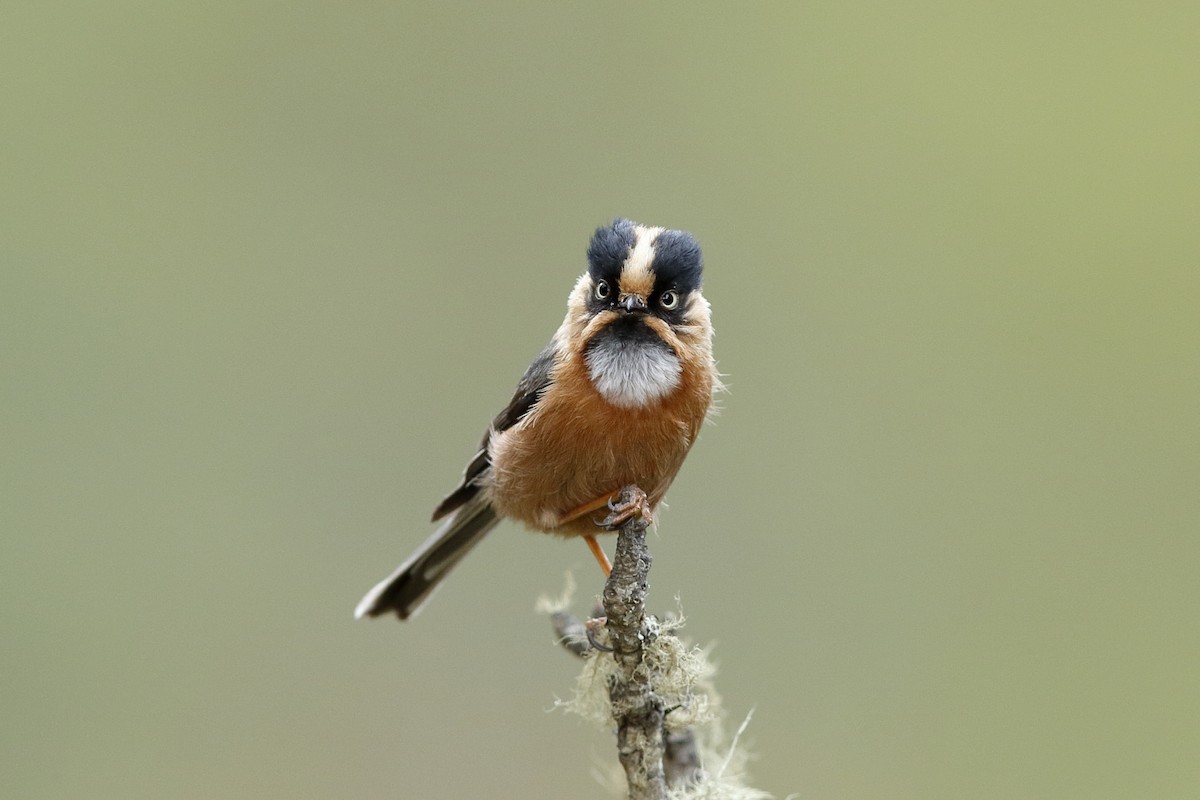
column 681, row 754
column 658, row 688
column 637, row 709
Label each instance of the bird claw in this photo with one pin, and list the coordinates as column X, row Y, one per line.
column 638, row 505
column 592, row 626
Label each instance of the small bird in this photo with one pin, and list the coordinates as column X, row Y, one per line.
column 616, row 398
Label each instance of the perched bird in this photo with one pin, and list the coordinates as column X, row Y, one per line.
column 616, row 398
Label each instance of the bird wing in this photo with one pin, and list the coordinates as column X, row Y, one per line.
column 529, row 390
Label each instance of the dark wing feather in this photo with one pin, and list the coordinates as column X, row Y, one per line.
column 530, row 388
column 406, row 590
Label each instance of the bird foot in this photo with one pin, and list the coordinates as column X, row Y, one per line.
column 592, row 627
column 634, row 504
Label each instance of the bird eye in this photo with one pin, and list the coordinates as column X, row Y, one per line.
column 602, row 290
column 668, row 299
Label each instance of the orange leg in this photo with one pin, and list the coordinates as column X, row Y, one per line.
column 619, row 515
column 587, row 508
column 598, row 552
column 593, row 545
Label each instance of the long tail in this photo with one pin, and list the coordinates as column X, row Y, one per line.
column 406, row 590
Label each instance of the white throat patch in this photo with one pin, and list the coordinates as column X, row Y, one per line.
column 632, row 375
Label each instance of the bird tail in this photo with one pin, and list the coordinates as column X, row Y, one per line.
column 406, row 590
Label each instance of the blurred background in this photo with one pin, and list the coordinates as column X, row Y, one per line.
column 267, row 271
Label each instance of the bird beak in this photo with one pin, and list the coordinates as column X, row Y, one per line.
column 632, row 302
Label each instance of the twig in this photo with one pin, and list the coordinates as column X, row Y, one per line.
column 571, row 633
column 681, row 754
column 651, row 676
column 637, row 709
column 681, row 758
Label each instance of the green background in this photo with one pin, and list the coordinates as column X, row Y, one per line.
column 267, row 270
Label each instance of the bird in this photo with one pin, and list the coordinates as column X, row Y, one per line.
column 617, row 397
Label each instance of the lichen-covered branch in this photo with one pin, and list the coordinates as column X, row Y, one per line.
column 637, row 709
column 652, row 686
column 681, row 755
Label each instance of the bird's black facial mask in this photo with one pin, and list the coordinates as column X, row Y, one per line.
column 670, row 265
